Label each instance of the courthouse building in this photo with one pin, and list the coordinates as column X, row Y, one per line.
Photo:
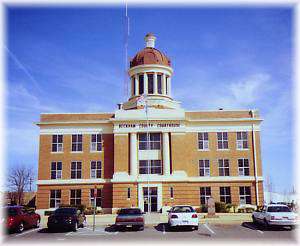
column 150, row 152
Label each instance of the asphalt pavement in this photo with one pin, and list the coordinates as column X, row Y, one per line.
column 244, row 232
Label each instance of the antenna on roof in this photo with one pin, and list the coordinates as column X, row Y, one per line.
column 126, row 52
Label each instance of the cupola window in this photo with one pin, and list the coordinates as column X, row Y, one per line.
column 150, row 83
column 159, row 79
column 141, row 84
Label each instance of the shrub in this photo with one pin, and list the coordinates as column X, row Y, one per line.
column 203, row 208
column 228, row 207
column 220, row 207
column 249, row 210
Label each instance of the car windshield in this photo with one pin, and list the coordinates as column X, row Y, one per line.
column 182, row 209
column 278, row 209
column 12, row 211
column 61, row 211
column 131, row 211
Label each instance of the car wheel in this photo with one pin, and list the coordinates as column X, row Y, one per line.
column 196, row 228
column 266, row 224
column 292, row 227
column 254, row 220
column 75, row 227
column 141, row 228
column 20, row 227
column 37, row 225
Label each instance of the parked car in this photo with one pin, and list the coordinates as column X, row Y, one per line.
column 130, row 217
column 66, row 218
column 18, row 218
column 182, row 215
column 275, row 215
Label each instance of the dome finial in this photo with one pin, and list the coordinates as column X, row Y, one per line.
column 150, row 40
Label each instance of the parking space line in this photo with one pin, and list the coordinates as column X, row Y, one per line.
column 210, row 230
column 26, row 232
column 69, row 233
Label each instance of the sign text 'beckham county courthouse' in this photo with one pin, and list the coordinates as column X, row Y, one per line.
column 150, row 125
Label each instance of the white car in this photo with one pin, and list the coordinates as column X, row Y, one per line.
column 182, row 215
column 275, row 215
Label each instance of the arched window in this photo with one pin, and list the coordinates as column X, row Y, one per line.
column 132, row 86
column 167, row 83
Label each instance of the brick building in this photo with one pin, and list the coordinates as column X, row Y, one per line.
column 150, row 152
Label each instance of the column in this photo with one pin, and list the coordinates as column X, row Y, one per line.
column 163, row 84
column 166, row 153
column 145, row 83
column 169, row 87
column 155, row 83
column 133, row 154
column 136, row 80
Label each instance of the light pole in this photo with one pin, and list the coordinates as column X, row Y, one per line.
column 148, row 148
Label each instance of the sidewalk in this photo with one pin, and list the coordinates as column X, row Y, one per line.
column 157, row 218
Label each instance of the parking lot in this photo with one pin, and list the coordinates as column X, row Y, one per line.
column 211, row 232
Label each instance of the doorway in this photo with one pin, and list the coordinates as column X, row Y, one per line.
column 150, row 199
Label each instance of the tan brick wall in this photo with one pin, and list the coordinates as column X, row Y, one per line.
column 120, row 199
column 75, row 117
column 121, row 156
column 46, row 157
column 43, row 194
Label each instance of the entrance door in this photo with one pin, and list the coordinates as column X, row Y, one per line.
column 150, row 199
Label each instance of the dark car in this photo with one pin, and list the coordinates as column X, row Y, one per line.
column 130, row 217
column 19, row 218
column 66, row 218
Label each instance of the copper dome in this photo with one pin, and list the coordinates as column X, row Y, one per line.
column 150, row 55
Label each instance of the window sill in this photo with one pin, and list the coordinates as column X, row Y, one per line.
column 203, row 149
column 76, row 152
column 223, row 149
column 57, row 152
column 242, row 149
column 96, row 151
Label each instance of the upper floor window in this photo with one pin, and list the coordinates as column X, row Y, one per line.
column 159, row 83
column 205, row 194
column 150, row 83
column 57, row 143
column 76, row 169
column 241, row 140
column 223, row 167
column 222, row 140
column 55, row 198
column 133, row 85
column 245, row 195
column 154, row 141
column 243, row 167
column 141, row 84
column 96, row 142
column 77, row 142
column 56, row 169
column 96, row 193
column 203, row 143
column 75, row 197
column 167, row 85
column 204, row 169
column 150, row 167
column 225, row 195
column 128, row 193
column 96, row 169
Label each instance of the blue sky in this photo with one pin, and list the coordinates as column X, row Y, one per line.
column 72, row 60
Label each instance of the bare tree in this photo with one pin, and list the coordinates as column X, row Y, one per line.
column 19, row 179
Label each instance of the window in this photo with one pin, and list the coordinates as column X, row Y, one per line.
column 203, row 143
column 245, row 195
column 204, row 169
column 167, row 82
column 76, row 170
column 96, row 142
column 153, row 143
column 55, row 198
column 243, row 167
column 128, row 193
column 171, row 192
column 77, row 142
column 133, row 85
column 57, row 143
column 152, row 166
column 56, row 168
column 159, row 79
column 225, row 194
column 223, row 167
column 150, row 83
column 96, row 169
column 98, row 197
column 205, row 194
column 141, row 84
column 75, row 197
column 222, row 140
column 241, row 140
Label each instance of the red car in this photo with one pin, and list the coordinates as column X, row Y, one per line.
column 18, row 218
